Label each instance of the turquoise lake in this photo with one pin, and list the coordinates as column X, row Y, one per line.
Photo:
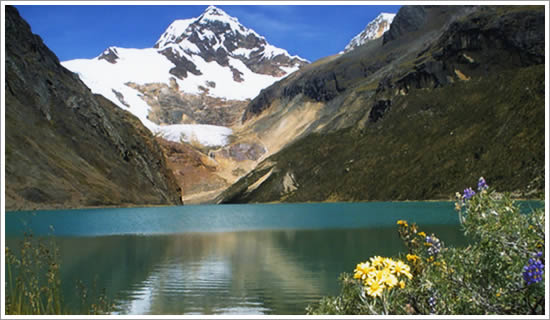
column 224, row 259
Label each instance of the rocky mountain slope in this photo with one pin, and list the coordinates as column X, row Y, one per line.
column 209, row 62
column 193, row 87
column 448, row 94
column 65, row 146
column 374, row 30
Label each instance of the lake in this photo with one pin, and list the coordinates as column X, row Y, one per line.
column 224, row 259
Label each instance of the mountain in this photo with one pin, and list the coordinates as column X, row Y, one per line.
column 374, row 30
column 65, row 146
column 448, row 94
column 193, row 86
column 211, row 62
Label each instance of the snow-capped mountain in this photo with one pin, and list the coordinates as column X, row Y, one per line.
column 211, row 55
column 374, row 30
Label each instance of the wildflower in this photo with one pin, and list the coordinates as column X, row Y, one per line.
column 377, row 261
column 468, row 193
column 433, row 244
column 402, row 222
column 412, row 257
column 402, row 284
column 482, row 185
column 432, row 303
column 422, row 234
column 533, row 271
column 458, row 207
column 402, row 269
column 374, row 288
column 389, row 279
column 361, row 270
column 388, row 262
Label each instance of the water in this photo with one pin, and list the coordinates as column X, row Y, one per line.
column 228, row 259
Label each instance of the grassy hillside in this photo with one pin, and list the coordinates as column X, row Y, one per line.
column 468, row 102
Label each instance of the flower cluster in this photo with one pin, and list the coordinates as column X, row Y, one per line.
column 402, row 223
column 469, row 193
column 433, row 244
column 432, row 303
column 381, row 273
column 532, row 272
column 482, row 184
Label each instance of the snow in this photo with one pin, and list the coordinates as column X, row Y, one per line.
column 216, row 14
column 242, row 52
column 174, row 30
column 371, row 31
column 146, row 66
column 207, row 135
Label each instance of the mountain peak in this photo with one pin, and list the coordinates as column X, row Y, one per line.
column 213, row 13
column 213, row 10
column 374, row 30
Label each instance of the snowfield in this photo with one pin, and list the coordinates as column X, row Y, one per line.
column 147, row 66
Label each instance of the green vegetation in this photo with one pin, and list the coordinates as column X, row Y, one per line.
column 33, row 283
column 423, row 148
column 501, row 272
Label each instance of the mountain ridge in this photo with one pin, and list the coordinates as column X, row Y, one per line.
column 65, row 146
column 431, row 83
column 374, row 30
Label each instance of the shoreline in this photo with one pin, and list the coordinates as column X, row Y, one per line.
column 136, row 206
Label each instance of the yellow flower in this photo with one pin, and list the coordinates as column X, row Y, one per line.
column 401, row 268
column 362, row 270
column 402, row 222
column 401, row 284
column 412, row 257
column 422, row 234
column 374, row 288
column 388, row 262
column 389, row 280
column 377, row 261
column 430, row 259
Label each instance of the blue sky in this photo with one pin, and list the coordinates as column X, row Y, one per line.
column 84, row 31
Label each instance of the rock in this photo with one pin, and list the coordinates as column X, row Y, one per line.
column 67, row 147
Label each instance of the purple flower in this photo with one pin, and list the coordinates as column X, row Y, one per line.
column 435, row 247
column 482, row 185
column 532, row 272
column 469, row 193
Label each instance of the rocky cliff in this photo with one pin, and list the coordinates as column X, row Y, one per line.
column 448, row 94
column 65, row 146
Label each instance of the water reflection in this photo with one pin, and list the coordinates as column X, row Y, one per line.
column 251, row 272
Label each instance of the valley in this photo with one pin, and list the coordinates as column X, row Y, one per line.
column 408, row 110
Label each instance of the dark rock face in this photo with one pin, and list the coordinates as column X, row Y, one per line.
column 111, row 55
column 182, row 64
column 408, row 19
column 378, row 110
column 68, row 148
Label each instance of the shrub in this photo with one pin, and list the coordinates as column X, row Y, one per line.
column 500, row 272
column 33, row 283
